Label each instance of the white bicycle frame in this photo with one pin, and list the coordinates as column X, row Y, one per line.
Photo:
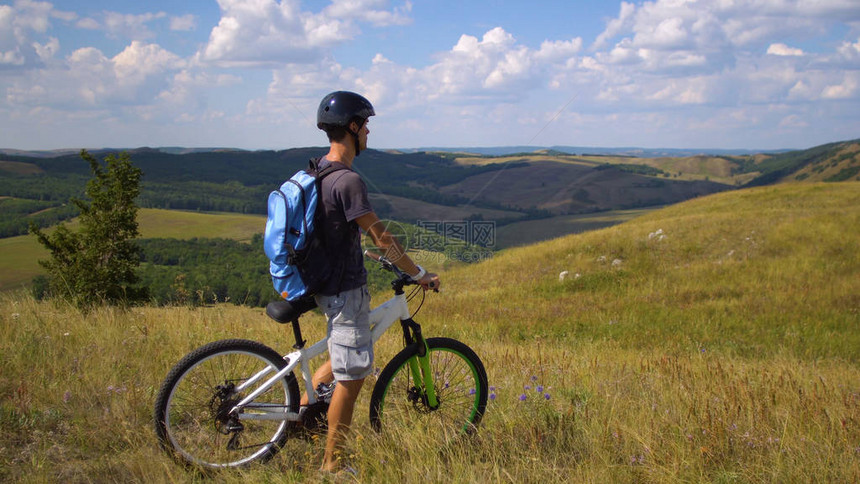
column 381, row 318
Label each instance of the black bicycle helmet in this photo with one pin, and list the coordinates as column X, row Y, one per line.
column 341, row 108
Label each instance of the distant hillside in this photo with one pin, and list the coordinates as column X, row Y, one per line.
column 419, row 186
column 560, row 188
column 591, row 150
column 830, row 163
column 435, row 186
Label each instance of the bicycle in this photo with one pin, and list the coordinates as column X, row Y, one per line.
column 220, row 406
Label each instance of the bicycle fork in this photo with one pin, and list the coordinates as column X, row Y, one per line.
column 419, row 365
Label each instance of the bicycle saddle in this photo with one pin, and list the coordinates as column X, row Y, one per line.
column 288, row 311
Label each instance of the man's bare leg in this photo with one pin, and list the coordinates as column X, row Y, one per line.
column 322, row 375
column 339, row 419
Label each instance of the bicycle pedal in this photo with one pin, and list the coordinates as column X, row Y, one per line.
column 233, row 443
column 325, row 391
column 314, row 417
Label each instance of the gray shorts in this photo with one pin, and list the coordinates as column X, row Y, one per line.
column 350, row 344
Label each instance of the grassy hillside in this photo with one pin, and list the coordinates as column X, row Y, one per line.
column 830, row 162
column 720, row 347
column 843, row 164
column 564, row 188
column 531, row 231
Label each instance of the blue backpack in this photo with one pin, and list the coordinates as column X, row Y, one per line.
column 298, row 264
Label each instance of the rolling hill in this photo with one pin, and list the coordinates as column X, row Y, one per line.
column 528, row 197
column 501, row 188
column 711, row 341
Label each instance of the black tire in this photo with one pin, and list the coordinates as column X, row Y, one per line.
column 192, row 418
column 461, row 387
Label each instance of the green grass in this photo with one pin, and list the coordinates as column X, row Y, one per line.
column 19, row 256
column 724, row 352
column 532, row 231
column 184, row 225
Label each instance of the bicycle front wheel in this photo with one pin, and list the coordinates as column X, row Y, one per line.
column 460, row 382
column 193, row 411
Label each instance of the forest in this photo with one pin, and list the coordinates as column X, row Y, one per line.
column 229, row 181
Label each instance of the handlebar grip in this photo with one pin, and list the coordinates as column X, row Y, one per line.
column 372, row 255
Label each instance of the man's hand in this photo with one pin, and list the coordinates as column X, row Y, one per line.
column 430, row 281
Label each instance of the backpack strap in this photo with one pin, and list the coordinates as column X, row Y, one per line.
column 314, row 168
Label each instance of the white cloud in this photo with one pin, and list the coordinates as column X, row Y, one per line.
column 139, row 61
column 19, row 24
column 11, row 58
column 706, row 69
column 87, row 79
column 616, row 25
column 849, row 50
column 669, row 33
column 46, row 51
column 272, row 32
column 848, row 88
column 559, row 50
column 689, row 91
column 373, row 11
column 131, row 26
column 183, row 23
column 88, row 24
column 793, row 121
column 783, row 50
column 264, row 33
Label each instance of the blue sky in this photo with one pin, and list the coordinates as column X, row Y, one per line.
column 748, row 74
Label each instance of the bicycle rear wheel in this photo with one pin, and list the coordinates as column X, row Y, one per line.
column 461, row 389
column 192, row 410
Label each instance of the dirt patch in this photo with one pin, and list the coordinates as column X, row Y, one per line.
column 20, row 168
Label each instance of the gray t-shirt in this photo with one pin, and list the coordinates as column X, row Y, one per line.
column 344, row 199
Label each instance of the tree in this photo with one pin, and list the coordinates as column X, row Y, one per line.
column 97, row 264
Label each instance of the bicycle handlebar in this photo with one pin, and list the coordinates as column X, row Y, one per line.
column 389, row 266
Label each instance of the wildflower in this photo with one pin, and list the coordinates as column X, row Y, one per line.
column 472, row 391
column 523, row 397
column 527, row 387
column 492, row 396
column 546, row 396
column 539, row 389
column 534, row 377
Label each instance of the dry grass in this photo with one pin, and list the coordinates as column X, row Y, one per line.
column 725, row 352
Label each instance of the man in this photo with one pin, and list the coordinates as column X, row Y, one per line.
column 344, row 117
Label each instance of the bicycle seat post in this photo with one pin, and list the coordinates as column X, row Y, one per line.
column 297, row 332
